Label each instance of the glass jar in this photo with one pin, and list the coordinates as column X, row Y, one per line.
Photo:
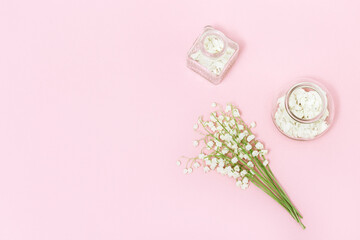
column 212, row 55
column 303, row 111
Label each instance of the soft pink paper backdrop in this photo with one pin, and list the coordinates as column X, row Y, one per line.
column 96, row 106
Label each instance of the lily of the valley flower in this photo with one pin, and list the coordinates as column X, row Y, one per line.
column 230, row 148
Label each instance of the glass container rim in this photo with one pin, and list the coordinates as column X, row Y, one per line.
column 220, row 35
column 306, row 83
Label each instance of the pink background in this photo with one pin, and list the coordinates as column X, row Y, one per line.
column 97, row 105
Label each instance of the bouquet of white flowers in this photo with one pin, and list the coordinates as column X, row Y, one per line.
column 231, row 149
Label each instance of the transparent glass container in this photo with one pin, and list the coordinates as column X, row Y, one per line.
column 304, row 110
column 212, row 55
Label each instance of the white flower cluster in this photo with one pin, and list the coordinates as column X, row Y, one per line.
column 230, row 148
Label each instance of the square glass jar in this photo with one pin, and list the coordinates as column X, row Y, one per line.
column 212, row 55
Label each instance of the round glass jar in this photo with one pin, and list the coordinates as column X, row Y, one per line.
column 303, row 111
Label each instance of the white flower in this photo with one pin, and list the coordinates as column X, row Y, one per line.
column 213, row 104
column 185, row 171
column 265, row 163
column 196, row 165
column 225, row 151
column 227, row 137
column 244, row 186
column 236, row 175
column 189, row 170
column 221, row 164
column 221, row 118
column 218, row 144
column 238, row 183
column 230, row 173
column 237, row 168
column 220, row 169
column 241, row 136
column 178, row 162
column 213, row 166
column 212, row 118
column 206, row 169
column 252, row 124
column 228, row 169
column 246, row 133
column 196, row 143
column 259, row 145
column 255, row 153
column 245, row 180
column 234, row 160
column 241, row 127
column 252, row 172
column 210, row 144
column 263, row 152
column 201, row 156
column 207, row 162
column 232, row 122
column 250, row 164
column 248, row 147
column 196, row 126
column 243, row 173
column 250, row 138
column 236, row 113
column 228, row 108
